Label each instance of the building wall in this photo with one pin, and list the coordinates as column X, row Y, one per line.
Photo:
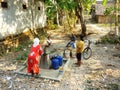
column 104, row 19
column 15, row 19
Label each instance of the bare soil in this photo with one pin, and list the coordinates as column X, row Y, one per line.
column 100, row 72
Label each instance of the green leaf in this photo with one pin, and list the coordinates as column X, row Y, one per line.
column 104, row 2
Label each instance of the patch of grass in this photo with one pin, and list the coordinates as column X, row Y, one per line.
column 23, row 56
column 111, row 39
column 113, row 87
column 92, row 88
column 19, row 48
column 89, row 81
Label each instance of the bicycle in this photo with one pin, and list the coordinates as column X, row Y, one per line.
column 87, row 53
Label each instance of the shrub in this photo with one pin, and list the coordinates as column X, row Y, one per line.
column 112, row 39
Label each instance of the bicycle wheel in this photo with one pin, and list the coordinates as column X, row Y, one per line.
column 87, row 53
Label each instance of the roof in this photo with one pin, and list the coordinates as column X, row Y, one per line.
column 99, row 8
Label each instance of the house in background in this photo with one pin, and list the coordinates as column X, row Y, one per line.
column 98, row 15
column 16, row 16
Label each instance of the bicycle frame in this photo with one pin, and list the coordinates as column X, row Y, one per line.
column 87, row 53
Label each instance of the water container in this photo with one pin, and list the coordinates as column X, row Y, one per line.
column 60, row 60
column 55, row 63
column 67, row 54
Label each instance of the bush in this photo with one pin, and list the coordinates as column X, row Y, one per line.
column 111, row 39
column 51, row 25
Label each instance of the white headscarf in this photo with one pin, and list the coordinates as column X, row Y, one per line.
column 36, row 42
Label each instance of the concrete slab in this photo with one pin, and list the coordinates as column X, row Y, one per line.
column 52, row 74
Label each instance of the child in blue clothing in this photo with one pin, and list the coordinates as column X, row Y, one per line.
column 71, row 44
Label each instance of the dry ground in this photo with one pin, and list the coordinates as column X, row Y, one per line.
column 100, row 72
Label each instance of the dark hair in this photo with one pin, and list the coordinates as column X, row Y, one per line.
column 48, row 36
column 81, row 37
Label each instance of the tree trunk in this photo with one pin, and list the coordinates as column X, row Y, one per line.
column 79, row 14
column 116, row 18
column 57, row 16
column 75, row 19
column 68, row 21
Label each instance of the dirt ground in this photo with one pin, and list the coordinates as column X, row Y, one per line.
column 100, row 72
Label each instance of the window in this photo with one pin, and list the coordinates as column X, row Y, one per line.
column 4, row 4
column 38, row 8
column 24, row 6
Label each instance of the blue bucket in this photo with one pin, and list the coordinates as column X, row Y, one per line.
column 55, row 63
column 60, row 60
